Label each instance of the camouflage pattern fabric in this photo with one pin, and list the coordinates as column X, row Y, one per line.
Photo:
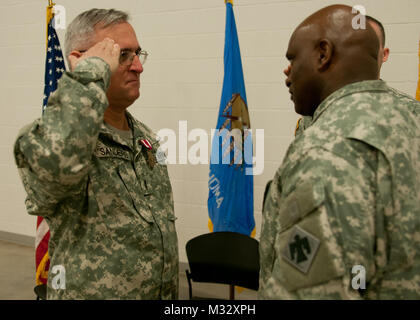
column 301, row 124
column 110, row 212
column 347, row 194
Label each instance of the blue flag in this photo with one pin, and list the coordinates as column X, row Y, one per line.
column 231, row 195
column 54, row 64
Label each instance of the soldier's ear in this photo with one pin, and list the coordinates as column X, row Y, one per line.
column 325, row 51
column 386, row 55
column 73, row 58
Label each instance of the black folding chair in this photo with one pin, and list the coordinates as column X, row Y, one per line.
column 225, row 258
column 41, row 292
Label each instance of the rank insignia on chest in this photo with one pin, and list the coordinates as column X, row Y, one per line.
column 151, row 159
column 301, row 249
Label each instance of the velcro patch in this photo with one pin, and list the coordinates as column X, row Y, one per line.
column 300, row 249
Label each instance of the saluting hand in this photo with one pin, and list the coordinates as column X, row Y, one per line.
column 106, row 49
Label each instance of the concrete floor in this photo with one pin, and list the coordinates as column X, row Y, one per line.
column 17, row 277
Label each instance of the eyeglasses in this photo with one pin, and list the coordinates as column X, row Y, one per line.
column 127, row 56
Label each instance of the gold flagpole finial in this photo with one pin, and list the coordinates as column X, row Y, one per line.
column 229, row 1
column 50, row 14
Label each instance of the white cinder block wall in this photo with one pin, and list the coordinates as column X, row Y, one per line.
column 182, row 80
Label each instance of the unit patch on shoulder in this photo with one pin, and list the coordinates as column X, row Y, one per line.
column 301, row 249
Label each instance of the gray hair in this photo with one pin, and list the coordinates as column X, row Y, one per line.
column 81, row 30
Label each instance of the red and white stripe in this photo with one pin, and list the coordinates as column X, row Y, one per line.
column 42, row 259
column 146, row 143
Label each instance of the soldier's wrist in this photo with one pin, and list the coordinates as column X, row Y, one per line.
column 93, row 69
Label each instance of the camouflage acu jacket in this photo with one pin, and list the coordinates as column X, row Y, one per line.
column 342, row 216
column 110, row 212
column 301, row 124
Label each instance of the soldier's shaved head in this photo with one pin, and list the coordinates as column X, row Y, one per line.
column 327, row 53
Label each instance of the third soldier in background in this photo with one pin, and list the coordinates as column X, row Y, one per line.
column 342, row 216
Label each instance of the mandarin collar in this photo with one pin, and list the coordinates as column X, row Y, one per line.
column 361, row 86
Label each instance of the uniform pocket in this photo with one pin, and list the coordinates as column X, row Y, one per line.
column 306, row 198
column 117, row 190
column 135, row 192
column 307, row 252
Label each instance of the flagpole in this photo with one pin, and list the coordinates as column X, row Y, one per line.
column 54, row 68
column 50, row 15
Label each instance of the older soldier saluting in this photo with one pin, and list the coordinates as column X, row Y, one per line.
column 90, row 170
column 345, row 203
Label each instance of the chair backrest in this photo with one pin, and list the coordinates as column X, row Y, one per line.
column 41, row 292
column 224, row 257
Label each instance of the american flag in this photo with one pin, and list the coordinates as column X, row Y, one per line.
column 418, row 83
column 54, row 69
column 54, row 64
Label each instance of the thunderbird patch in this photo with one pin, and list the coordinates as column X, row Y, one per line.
column 301, row 249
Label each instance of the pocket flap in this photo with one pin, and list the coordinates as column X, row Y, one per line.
column 303, row 200
column 133, row 193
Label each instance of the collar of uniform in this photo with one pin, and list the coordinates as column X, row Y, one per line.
column 110, row 134
column 140, row 131
column 368, row 85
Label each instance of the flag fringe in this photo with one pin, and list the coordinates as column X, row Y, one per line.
column 40, row 271
column 418, row 83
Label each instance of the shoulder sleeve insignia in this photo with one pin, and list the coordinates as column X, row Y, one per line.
column 301, row 249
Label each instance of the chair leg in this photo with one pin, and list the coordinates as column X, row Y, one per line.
column 231, row 292
column 189, row 283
